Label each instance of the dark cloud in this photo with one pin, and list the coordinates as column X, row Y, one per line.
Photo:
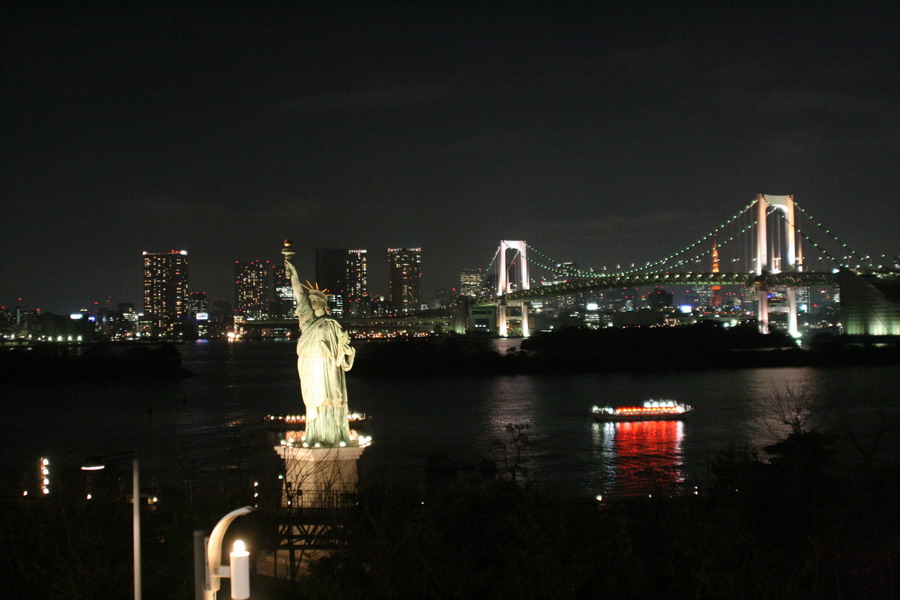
column 798, row 144
column 818, row 101
column 602, row 135
column 288, row 210
column 164, row 206
column 388, row 98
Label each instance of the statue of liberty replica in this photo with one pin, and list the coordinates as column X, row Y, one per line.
column 324, row 354
column 320, row 463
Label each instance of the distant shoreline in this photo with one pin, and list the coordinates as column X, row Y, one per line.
column 619, row 350
column 90, row 362
column 568, row 351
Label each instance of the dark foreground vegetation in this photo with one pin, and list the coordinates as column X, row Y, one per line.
column 791, row 526
column 782, row 530
column 579, row 350
column 64, row 363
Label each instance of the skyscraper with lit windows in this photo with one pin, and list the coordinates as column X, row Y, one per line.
column 357, row 280
column 470, row 282
column 166, row 292
column 283, row 304
column 251, row 289
column 404, row 277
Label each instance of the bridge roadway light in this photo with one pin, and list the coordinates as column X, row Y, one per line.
column 96, row 464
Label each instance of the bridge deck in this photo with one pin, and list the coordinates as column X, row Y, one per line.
column 795, row 279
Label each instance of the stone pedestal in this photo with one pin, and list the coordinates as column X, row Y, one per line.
column 319, row 477
column 320, row 484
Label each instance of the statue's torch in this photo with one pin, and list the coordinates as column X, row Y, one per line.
column 288, row 249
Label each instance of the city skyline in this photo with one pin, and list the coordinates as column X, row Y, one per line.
column 602, row 136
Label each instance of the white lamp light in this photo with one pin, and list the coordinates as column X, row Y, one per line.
column 240, row 571
column 208, row 569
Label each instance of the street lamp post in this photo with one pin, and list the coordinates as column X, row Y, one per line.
column 96, row 465
column 208, row 568
column 136, row 525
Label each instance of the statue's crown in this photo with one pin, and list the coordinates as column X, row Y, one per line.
column 313, row 288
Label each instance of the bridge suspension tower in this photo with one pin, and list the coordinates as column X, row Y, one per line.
column 507, row 284
column 774, row 255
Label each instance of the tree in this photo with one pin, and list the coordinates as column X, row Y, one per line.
column 790, row 406
column 513, row 450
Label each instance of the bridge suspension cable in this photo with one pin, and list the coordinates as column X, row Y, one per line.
column 843, row 245
column 486, row 272
column 722, row 243
column 684, row 255
column 649, row 267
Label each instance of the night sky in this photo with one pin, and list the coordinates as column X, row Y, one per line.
column 600, row 136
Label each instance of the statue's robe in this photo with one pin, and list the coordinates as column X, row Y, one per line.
column 323, row 355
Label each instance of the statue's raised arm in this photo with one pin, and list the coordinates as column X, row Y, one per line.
column 305, row 311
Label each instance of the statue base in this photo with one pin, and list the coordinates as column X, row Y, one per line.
column 319, row 477
column 319, row 485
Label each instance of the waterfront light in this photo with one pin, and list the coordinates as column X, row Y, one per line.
column 45, row 475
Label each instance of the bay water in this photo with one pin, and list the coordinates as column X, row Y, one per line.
column 209, row 422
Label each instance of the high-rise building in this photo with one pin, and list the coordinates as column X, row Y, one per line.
column 357, row 280
column 251, row 289
column 470, row 282
column 119, row 324
column 165, row 292
column 331, row 275
column 283, row 303
column 404, row 276
column 443, row 298
column 221, row 318
column 197, row 303
column 198, row 313
column 658, row 298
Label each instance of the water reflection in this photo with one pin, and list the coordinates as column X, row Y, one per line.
column 781, row 398
column 215, row 419
column 513, row 400
column 641, row 456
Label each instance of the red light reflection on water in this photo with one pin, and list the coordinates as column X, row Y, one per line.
column 647, row 455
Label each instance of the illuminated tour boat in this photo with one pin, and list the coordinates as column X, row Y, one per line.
column 652, row 410
column 292, row 421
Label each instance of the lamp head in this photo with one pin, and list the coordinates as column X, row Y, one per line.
column 93, row 463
